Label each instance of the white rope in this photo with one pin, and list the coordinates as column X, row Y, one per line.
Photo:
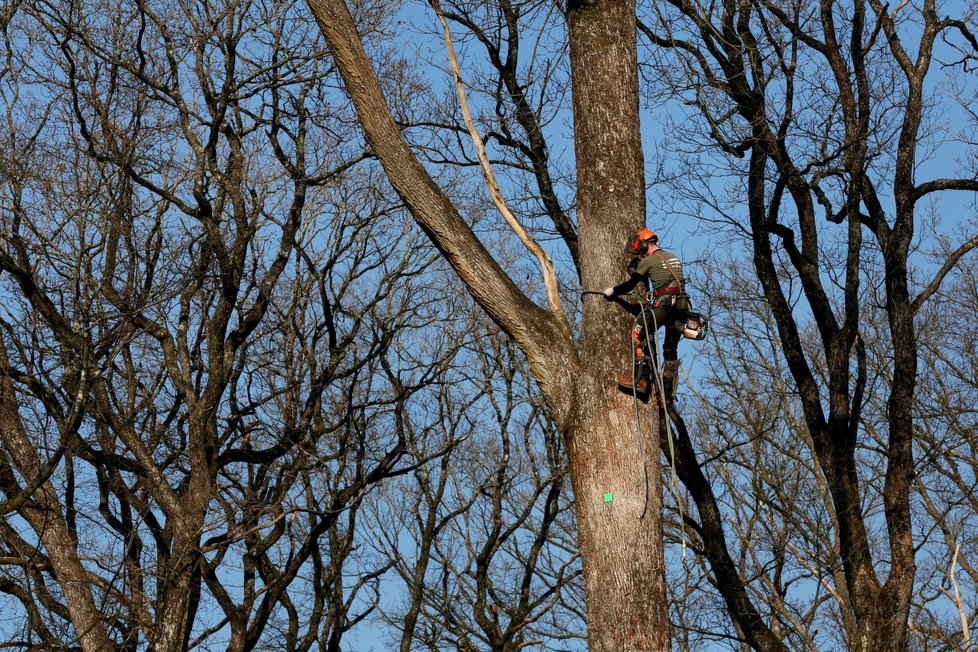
column 638, row 424
column 660, row 385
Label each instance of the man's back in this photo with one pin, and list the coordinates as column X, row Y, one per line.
column 662, row 269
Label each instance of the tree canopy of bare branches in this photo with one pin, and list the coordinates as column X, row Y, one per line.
column 244, row 404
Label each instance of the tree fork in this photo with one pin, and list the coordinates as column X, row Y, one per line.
column 620, row 536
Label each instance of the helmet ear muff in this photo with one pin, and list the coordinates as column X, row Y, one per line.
column 641, row 241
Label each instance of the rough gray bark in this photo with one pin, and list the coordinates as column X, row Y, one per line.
column 620, row 541
column 44, row 512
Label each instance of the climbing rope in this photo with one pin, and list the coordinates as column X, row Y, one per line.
column 638, row 428
column 660, row 386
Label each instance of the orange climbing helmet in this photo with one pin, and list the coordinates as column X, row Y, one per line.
column 639, row 243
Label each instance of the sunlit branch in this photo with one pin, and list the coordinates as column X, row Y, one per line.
column 546, row 265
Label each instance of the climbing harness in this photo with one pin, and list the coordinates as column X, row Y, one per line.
column 672, row 289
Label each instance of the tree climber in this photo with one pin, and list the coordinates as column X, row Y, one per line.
column 665, row 306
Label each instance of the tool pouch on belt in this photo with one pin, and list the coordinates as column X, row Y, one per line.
column 678, row 302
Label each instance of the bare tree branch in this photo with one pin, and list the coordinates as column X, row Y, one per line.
column 942, row 273
column 546, row 265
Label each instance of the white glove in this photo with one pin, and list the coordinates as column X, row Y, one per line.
column 609, row 292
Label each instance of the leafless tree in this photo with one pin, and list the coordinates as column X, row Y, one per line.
column 779, row 521
column 488, row 553
column 212, row 326
column 621, row 547
column 821, row 118
column 219, row 334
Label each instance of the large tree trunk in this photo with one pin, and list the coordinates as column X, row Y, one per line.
column 621, row 541
column 179, row 582
column 620, row 538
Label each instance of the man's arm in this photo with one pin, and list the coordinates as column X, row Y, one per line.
column 624, row 288
column 617, row 292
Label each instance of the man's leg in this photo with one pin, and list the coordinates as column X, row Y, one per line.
column 643, row 362
column 670, row 361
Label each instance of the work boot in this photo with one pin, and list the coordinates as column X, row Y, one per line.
column 670, row 378
column 638, row 383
